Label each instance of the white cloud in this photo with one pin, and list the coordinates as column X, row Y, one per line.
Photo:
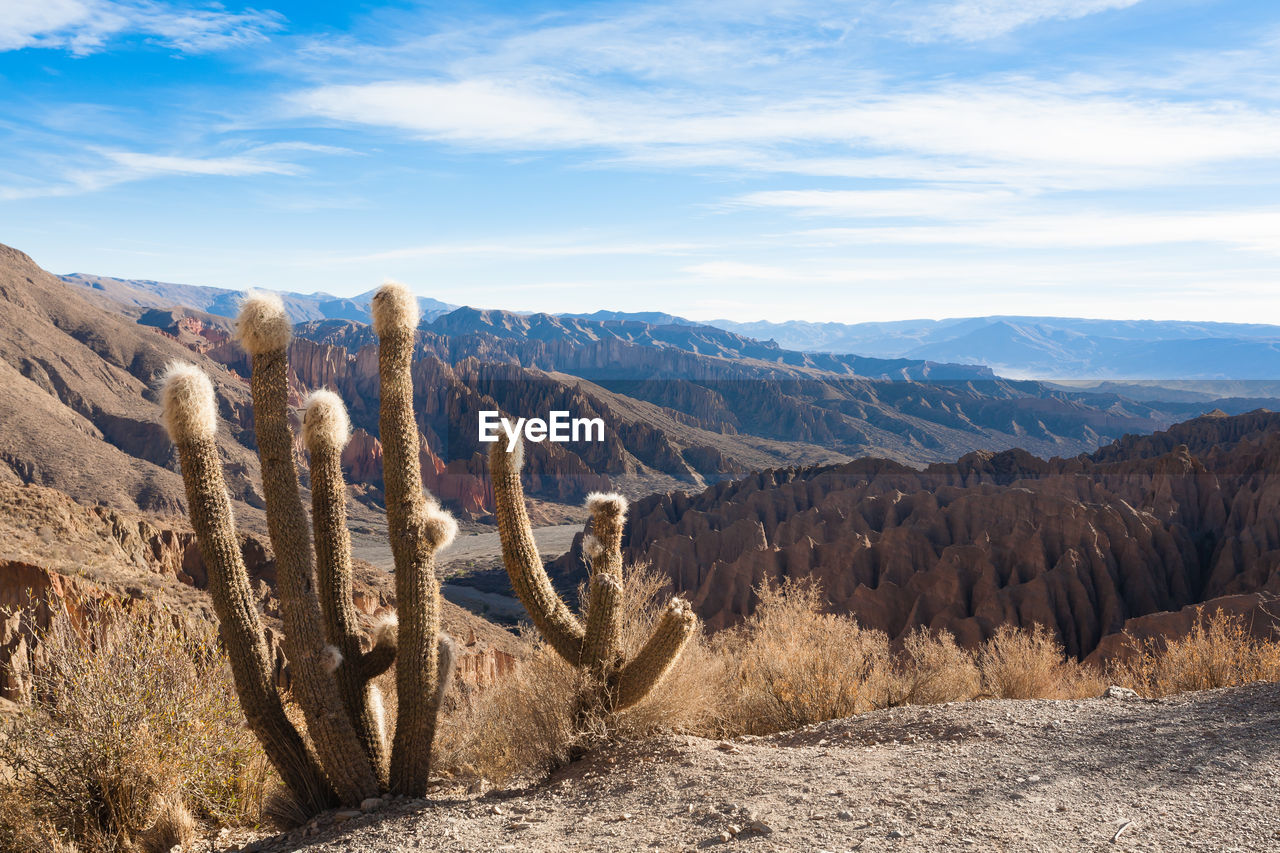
column 85, row 26
column 1014, row 125
column 125, row 166
column 929, row 202
column 975, row 20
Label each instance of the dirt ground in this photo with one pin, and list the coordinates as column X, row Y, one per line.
column 1194, row 772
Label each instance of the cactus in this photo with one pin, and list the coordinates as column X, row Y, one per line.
column 191, row 420
column 595, row 646
column 419, row 528
column 331, row 673
column 326, row 429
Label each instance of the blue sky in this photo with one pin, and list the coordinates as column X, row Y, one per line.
column 785, row 160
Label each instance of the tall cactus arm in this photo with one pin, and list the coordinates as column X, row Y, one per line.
column 603, row 547
column 264, row 331
column 418, row 528
column 657, row 656
column 191, row 420
column 558, row 626
column 604, row 624
column 326, row 429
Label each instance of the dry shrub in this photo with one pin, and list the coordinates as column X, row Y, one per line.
column 693, row 697
column 1031, row 664
column 934, row 670
column 534, row 719
column 792, row 664
column 1219, row 651
column 134, row 734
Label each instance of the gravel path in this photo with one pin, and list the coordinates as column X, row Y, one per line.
column 1195, row 772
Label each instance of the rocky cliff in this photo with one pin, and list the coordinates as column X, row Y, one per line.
column 55, row 553
column 1082, row 544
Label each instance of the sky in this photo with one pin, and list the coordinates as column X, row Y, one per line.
column 733, row 159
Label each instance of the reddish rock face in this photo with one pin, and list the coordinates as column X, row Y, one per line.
column 1083, row 545
column 97, row 554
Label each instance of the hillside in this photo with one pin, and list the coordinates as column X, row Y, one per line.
column 684, row 405
column 1086, row 545
column 1196, row 771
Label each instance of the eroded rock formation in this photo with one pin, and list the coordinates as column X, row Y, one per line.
column 1083, row 545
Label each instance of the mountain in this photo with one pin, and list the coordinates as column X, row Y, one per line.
column 683, row 406
column 142, row 294
column 1049, row 347
column 80, row 408
column 1087, row 545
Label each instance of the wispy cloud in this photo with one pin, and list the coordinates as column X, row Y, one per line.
column 1253, row 229
column 118, row 167
column 86, row 26
column 976, row 20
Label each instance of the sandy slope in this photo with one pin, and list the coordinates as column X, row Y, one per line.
column 1196, row 772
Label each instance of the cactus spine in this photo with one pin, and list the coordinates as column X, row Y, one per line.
column 331, row 675
column 595, row 647
column 418, row 530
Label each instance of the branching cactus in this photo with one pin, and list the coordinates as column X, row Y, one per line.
column 592, row 643
column 332, row 673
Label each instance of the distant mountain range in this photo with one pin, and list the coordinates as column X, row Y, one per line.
column 1059, row 348
column 685, row 405
column 142, row 294
column 1050, row 347
column 1067, row 348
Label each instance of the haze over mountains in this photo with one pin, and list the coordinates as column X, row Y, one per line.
column 1064, row 348
column 1039, row 347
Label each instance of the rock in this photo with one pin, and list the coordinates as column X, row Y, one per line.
column 760, row 827
column 372, row 804
column 1115, row 692
column 844, row 814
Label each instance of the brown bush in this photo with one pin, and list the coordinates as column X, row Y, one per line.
column 1031, row 664
column 1219, row 651
column 791, row 664
column 934, row 670
column 134, row 732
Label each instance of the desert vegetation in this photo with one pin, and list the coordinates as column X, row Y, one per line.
column 143, row 731
column 134, row 739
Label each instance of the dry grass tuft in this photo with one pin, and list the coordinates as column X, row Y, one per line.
column 792, row 665
column 1031, row 664
column 1219, row 651
column 935, row 670
column 135, row 734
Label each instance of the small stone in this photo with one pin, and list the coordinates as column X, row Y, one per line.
column 496, row 809
column 725, row 837
column 734, row 829
column 624, row 816
column 897, row 833
column 518, row 824
column 1116, row 692
column 371, row 805
column 844, row 814
column 760, row 827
